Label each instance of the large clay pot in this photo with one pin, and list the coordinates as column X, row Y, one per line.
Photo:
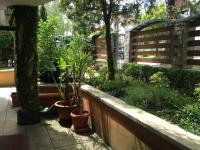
column 64, row 109
column 80, row 121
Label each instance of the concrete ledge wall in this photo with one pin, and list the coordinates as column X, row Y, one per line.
column 125, row 127
column 7, row 77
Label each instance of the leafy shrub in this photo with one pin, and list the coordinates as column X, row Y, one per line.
column 197, row 92
column 182, row 80
column 154, row 98
column 115, row 88
column 95, row 81
column 188, row 118
column 159, row 79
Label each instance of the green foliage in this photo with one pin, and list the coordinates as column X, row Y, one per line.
column 192, row 6
column 77, row 56
column 6, row 39
column 159, row 79
column 157, row 11
column 197, row 92
column 84, row 14
column 188, row 117
column 99, row 77
column 47, row 50
column 115, row 87
column 182, row 80
column 154, row 98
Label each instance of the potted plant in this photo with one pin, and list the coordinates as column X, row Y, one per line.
column 65, row 106
column 79, row 59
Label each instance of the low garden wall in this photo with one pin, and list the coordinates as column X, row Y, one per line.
column 126, row 127
column 7, row 77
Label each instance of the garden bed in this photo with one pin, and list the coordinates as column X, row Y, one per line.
column 123, row 126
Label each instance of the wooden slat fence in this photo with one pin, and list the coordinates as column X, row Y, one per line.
column 193, row 52
column 152, row 45
column 167, row 44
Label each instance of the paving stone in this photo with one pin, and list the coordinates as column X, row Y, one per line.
column 72, row 147
column 11, row 123
column 85, row 137
column 2, row 116
column 94, row 145
column 2, row 124
column 37, row 133
column 41, row 144
column 1, row 131
column 63, row 141
column 56, row 133
column 13, row 130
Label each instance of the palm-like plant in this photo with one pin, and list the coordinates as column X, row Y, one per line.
column 78, row 57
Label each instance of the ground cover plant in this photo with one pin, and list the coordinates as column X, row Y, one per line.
column 155, row 95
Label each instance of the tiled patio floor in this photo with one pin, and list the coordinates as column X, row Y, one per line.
column 48, row 134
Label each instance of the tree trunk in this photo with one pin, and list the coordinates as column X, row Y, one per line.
column 26, row 19
column 110, row 59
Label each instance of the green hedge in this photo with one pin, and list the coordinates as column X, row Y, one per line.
column 183, row 80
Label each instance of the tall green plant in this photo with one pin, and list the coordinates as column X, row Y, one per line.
column 6, row 39
column 157, row 11
column 78, row 57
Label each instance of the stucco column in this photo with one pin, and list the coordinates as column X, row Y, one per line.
column 26, row 20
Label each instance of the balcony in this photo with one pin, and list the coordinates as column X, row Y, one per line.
column 48, row 134
column 111, row 121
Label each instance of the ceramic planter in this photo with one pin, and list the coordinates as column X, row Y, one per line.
column 80, row 121
column 64, row 109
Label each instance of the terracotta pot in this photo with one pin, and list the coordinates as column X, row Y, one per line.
column 14, row 99
column 64, row 110
column 80, row 121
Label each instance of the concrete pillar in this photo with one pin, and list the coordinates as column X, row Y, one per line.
column 26, row 20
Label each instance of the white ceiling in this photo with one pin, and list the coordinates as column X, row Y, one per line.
column 6, row 3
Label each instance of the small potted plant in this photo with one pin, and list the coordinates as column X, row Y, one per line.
column 79, row 59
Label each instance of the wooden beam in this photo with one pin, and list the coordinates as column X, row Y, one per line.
column 151, row 60
column 8, row 28
column 155, row 31
column 153, row 38
column 158, row 53
column 152, row 46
